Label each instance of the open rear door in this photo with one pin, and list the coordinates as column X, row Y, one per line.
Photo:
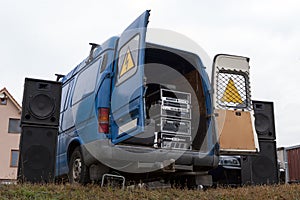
column 232, row 104
column 127, row 103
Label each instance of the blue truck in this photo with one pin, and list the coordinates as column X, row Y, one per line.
column 140, row 111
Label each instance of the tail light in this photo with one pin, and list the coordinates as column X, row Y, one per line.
column 103, row 120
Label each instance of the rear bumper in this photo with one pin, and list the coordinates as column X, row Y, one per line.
column 138, row 159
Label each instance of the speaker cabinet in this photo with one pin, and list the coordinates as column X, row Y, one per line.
column 262, row 168
column 264, row 120
column 41, row 102
column 37, row 154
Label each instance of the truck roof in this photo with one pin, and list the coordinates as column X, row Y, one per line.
column 108, row 44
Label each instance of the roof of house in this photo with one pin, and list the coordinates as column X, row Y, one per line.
column 5, row 91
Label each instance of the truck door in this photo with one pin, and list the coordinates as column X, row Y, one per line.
column 232, row 104
column 127, row 102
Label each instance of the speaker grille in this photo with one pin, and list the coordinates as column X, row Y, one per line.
column 37, row 153
column 41, row 102
column 264, row 120
column 261, row 168
column 37, row 157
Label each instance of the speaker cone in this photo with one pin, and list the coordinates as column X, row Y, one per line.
column 260, row 165
column 261, row 123
column 37, row 157
column 42, row 106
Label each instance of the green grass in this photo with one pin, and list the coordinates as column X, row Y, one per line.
column 66, row 191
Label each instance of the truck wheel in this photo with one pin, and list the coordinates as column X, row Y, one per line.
column 78, row 171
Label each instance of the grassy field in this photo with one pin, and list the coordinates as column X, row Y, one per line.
column 28, row 191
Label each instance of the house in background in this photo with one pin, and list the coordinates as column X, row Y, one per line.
column 10, row 132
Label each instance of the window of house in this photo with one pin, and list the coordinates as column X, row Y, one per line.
column 3, row 99
column 14, row 158
column 14, row 126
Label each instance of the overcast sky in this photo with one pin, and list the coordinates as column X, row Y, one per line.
column 39, row 38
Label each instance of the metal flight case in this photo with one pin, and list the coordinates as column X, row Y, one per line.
column 171, row 111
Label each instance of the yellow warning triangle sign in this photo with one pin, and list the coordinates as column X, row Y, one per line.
column 128, row 63
column 231, row 94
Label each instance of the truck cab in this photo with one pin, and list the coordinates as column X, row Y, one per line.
column 140, row 110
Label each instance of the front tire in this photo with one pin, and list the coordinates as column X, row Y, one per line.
column 78, row 171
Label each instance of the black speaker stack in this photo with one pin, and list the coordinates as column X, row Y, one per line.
column 262, row 168
column 39, row 125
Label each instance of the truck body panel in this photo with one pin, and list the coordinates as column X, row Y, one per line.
column 127, row 92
